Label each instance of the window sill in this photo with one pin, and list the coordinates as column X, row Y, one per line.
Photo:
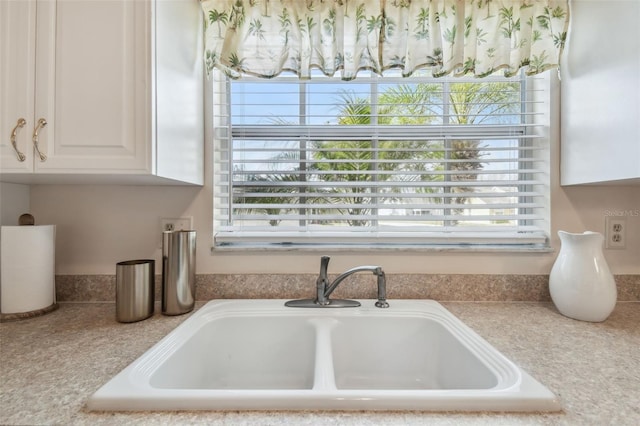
column 359, row 247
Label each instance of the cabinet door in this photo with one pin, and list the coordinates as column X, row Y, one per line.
column 93, row 86
column 600, row 89
column 17, row 57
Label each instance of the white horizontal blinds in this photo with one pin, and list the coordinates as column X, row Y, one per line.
column 378, row 160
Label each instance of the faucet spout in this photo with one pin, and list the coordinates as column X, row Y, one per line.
column 375, row 269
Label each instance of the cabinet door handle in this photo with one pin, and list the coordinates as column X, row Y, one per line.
column 41, row 123
column 14, row 134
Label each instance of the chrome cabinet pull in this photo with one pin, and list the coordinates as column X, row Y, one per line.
column 14, row 134
column 41, row 123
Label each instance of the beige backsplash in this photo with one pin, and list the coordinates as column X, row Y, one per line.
column 454, row 287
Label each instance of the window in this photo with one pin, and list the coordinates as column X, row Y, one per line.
column 380, row 161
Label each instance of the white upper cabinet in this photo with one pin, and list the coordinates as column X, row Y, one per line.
column 97, row 73
column 600, row 86
column 17, row 75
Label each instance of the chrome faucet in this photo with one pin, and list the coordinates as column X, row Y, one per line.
column 324, row 288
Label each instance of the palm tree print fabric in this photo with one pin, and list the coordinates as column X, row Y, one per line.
column 479, row 37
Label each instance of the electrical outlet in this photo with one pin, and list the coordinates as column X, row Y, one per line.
column 176, row 224
column 615, row 232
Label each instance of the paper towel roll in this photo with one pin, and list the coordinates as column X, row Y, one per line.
column 27, row 268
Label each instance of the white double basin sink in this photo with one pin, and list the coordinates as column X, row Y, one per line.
column 261, row 355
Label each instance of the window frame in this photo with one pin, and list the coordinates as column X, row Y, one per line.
column 350, row 239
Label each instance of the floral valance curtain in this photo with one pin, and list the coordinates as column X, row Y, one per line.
column 266, row 37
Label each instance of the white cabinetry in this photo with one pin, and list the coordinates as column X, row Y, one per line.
column 17, row 76
column 600, row 112
column 118, row 82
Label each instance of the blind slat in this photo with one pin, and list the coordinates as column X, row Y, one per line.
column 387, row 184
column 285, row 131
column 373, row 174
column 406, row 195
column 513, row 206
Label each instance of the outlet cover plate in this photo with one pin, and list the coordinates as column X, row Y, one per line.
column 176, row 224
column 615, row 232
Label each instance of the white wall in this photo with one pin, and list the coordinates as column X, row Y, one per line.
column 101, row 225
column 14, row 201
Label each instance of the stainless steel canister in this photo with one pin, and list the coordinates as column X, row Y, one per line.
column 135, row 290
column 178, row 272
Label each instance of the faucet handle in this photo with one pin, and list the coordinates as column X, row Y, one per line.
column 324, row 263
column 324, row 266
column 322, row 282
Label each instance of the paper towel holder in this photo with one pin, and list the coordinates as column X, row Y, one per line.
column 24, row 297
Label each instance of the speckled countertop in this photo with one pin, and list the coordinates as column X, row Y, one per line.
column 50, row 365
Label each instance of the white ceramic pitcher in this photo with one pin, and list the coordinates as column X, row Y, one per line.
column 581, row 285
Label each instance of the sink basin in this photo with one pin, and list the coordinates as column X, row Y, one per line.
column 424, row 354
column 242, row 353
column 261, row 355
